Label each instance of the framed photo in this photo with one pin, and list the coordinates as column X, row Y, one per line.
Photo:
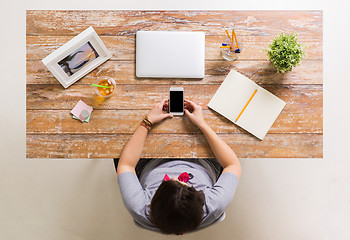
column 77, row 57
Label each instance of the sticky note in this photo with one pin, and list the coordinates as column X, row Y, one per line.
column 76, row 111
column 86, row 120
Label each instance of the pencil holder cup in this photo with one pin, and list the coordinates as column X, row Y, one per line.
column 228, row 53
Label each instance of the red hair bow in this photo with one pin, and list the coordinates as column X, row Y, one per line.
column 183, row 177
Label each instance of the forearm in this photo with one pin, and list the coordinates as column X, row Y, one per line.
column 132, row 151
column 223, row 153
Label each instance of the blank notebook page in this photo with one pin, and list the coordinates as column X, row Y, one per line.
column 261, row 113
column 233, row 95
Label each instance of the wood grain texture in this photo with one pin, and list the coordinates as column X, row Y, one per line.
column 52, row 133
column 261, row 72
column 173, row 146
column 123, row 47
column 299, row 98
column 125, row 121
column 212, row 22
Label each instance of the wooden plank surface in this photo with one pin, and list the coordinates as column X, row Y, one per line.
column 125, row 121
column 123, row 47
column 212, row 22
column 52, row 133
column 261, row 72
column 299, row 98
column 173, row 146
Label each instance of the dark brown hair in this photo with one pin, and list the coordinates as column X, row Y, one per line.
column 176, row 208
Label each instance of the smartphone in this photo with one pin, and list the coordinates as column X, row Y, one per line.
column 176, row 101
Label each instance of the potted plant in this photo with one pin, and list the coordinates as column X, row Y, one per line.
column 285, row 52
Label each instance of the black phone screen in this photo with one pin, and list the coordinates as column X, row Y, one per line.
column 176, row 101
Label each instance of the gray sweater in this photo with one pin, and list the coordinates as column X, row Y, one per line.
column 137, row 193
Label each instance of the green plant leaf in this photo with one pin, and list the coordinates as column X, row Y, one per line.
column 285, row 52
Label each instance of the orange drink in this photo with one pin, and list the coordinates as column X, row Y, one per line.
column 107, row 87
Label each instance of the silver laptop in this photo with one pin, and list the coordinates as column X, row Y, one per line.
column 170, row 54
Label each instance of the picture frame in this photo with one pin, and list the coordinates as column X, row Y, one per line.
column 77, row 57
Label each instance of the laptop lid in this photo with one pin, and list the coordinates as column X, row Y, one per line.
column 170, row 54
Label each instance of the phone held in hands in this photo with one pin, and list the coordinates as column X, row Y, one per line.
column 176, row 101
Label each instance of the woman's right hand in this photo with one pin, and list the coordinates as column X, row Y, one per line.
column 157, row 112
column 194, row 113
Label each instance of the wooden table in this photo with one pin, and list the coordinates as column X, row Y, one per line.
column 52, row 133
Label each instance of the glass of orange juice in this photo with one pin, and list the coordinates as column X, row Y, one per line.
column 106, row 87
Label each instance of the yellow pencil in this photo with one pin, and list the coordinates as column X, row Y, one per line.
column 234, row 35
column 224, row 46
column 231, row 40
column 246, row 105
column 228, row 35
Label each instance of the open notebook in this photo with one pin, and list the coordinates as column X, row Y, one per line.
column 246, row 104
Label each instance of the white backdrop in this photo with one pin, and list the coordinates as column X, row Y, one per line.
column 78, row 199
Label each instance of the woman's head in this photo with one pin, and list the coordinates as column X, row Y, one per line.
column 176, row 208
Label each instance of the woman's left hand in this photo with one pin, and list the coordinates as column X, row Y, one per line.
column 156, row 114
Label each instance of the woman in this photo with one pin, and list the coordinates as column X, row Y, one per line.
column 175, row 196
